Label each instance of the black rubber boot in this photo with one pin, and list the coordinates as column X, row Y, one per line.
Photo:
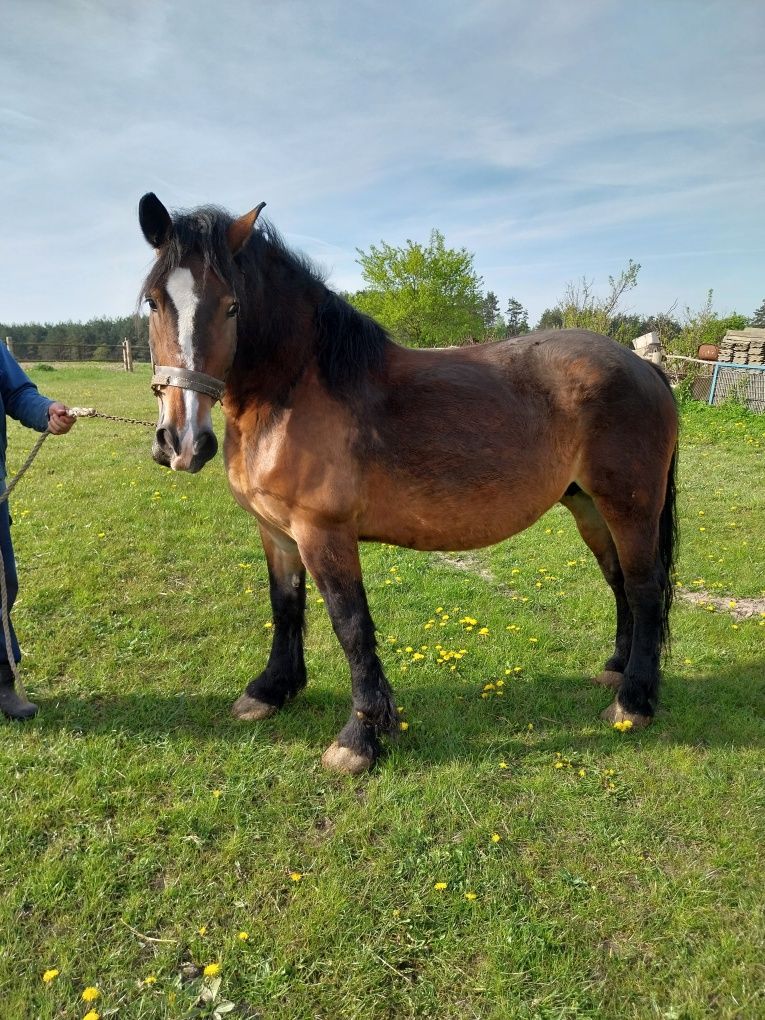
column 11, row 705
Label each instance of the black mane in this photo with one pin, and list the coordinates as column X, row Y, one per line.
column 273, row 284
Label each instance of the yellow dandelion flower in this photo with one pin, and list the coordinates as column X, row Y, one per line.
column 211, row 970
column 489, row 687
column 92, row 1015
column 495, row 837
column 216, row 794
column 417, row 656
column 90, row 994
column 504, row 765
column 440, row 886
column 533, row 640
column 50, row 975
column 202, row 930
column 150, row 980
column 439, row 609
column 484, row 630
column 243, row 935
column 267, row 626
column 582, row 772
column 623, row 725
column 403, row 725
column 559, row 764
column 471, row 896
column 296, row 876
column 530, row 727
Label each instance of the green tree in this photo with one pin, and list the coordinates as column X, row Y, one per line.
column 490, row 312
column 517, row 318
column 704, row 326
column 425, row 295
column 581, row 308
column 551, row 318
column 758, row 319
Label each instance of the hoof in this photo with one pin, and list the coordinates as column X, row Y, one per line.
column 343, row 759
column 615, row 713
column 609, row 678
column 250, row 709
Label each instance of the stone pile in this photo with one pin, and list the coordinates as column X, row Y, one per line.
column 743, row 347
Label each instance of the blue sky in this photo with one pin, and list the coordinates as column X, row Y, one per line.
column 552, row 139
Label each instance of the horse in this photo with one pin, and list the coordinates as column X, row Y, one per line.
column 336, row 435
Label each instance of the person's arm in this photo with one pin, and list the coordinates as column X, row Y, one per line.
column 24, row 403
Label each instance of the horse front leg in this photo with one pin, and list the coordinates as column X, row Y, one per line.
column 333, row 560
column 285, row 674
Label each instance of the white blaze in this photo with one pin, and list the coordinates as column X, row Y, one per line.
column 180, row 288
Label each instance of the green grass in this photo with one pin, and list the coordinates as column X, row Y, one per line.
column 627, row 880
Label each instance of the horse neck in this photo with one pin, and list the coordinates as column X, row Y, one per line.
column 275, row 343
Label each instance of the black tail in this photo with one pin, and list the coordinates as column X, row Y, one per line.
column 668, row 541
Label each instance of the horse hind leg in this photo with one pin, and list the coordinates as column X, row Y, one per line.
column 647, row 586
column 285, row 672
column 595, row 533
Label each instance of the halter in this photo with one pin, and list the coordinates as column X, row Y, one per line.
column 185, row 379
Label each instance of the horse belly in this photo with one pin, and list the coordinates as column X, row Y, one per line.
column 455, row 517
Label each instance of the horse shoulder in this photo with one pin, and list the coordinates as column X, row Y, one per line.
column 298, row 467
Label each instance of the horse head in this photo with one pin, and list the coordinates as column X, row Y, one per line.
column 193, row 306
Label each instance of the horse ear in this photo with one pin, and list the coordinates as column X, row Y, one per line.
column 240, row 230
column 156, row 224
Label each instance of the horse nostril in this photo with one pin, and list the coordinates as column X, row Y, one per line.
column 206, row 446
column 167, row 440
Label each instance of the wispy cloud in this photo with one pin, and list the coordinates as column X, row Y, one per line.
column 549, row 140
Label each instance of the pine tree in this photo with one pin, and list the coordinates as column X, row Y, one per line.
column 517, row 318
column 490, row 310
column 758, row 319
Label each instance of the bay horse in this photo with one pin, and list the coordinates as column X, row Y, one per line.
column 335, row 435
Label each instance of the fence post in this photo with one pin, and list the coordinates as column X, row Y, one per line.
column 9, row 344
column 129, row 349
column 124, row 355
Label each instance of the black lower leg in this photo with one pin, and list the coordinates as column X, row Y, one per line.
column 639, row 690
column 624, row 624
column 285, row 673
column 374, row 711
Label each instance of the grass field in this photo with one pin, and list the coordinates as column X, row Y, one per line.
column 511, row 857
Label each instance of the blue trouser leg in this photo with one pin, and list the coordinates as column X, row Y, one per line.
column 11, row 581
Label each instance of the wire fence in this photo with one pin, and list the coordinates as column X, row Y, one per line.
column 717, row 382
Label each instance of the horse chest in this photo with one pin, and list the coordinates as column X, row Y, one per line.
column 283, row 484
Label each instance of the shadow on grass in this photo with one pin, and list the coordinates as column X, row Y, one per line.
column 447, row 722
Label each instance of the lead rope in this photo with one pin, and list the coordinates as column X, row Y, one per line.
column 75, row 412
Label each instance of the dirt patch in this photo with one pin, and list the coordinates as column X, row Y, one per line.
column 470, row 563
column 742, row 609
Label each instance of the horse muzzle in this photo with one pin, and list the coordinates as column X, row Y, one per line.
column 188, row 452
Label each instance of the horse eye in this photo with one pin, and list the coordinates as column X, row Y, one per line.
column 151, row 303
column 232, row 310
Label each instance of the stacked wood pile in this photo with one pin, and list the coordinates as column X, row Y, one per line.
column 743, row 346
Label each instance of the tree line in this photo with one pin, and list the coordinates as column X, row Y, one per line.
column 426, row 295
column 96, row 340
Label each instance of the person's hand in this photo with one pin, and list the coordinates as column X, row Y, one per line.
column 59, row 419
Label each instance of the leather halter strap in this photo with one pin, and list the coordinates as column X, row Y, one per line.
column 185, row 379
